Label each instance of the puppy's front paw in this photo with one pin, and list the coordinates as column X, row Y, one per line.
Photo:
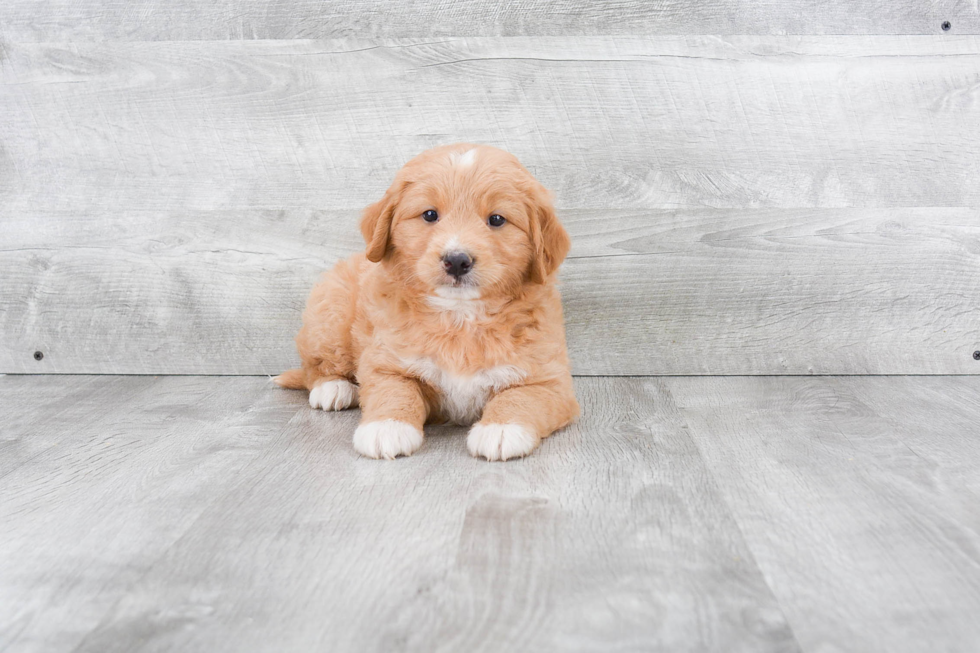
column 501, row 441
column 336, row 394
column 387, row 439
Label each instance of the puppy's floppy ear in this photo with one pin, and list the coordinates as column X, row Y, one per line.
column 376, row 224
column 549, row 239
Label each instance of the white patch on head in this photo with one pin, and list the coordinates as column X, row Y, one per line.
column 387, row 439
column 462, row 398
column 500, row 441
column 461, row 303
column 452, row 245
column 336, row 394
column 463, row 159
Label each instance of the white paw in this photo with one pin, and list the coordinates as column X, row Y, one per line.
column 337, row 394
column 387, row 439
column 500, row 441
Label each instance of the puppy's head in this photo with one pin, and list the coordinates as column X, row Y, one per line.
column 466, row 221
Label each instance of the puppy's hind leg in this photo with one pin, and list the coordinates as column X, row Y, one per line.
column 291, row 379
column 325, row 343
column 328, row 394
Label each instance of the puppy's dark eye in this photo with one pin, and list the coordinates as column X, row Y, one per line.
column 496, row 220
column 430, row 216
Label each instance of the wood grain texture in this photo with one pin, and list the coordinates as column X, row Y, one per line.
column 37, row 415
column 91, row 512
column 624, row 122
column 858, row 510
column 948, row 440
column 825, row 291
column 196, row 523
column 92, row 20
column 780, row 292
column 165, row 207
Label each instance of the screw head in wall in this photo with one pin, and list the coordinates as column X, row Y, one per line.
column 976, row 355
column 947, row 25
column 38, row 355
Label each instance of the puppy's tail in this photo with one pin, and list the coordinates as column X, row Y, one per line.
column 293, row 379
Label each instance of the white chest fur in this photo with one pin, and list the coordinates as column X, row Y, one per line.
column 461, row 304
column 462, row 398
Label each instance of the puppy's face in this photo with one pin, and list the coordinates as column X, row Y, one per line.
column 465, row 222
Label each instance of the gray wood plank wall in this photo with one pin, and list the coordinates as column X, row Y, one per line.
column 687, row 291
column 741, row 204
column 151, row 20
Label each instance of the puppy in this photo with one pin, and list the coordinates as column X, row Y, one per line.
column 450, row 315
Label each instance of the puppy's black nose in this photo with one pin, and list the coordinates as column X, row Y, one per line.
column 457, row 263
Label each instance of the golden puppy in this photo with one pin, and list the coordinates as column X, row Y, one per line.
column 450, row 315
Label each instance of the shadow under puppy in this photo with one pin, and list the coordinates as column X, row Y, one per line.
column 450, row 315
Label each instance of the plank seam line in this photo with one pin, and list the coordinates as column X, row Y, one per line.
column 722, row 495
column 577, row 376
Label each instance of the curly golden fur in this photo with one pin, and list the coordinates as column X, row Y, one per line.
column 393, row 330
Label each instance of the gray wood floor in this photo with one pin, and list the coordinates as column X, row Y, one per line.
column 680, row 514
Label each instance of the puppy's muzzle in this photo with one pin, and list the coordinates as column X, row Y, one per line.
column 457, row 264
